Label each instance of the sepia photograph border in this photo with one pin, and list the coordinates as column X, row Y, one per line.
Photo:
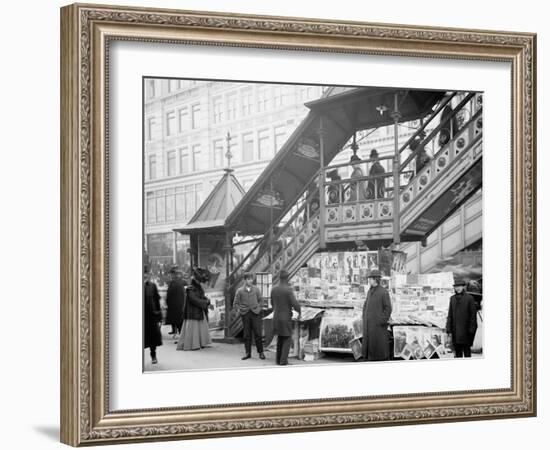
column 86, row 32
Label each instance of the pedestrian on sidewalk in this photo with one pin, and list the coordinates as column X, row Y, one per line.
column 283, row 301
column 194, row 331
column 462, row 320
column 376, row 315
column 248, row 301
column 152, row 315
column 175, row 296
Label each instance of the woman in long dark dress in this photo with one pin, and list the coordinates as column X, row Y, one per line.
column 152, row 316
column 194, row 332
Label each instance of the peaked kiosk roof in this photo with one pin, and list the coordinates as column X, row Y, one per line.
column 214, row 211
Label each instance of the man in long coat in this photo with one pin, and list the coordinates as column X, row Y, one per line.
column 283, row 301
column 175, row 299
column 462, row 320
column 152, row 316
column 376, row 315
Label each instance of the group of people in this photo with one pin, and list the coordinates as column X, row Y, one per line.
column 187, row 311
column 461, row 324
column 248, row 301
column 192, row 322
column 461, row 320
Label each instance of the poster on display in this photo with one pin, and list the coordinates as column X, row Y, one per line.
column 419, row 342
column 421, row 299
column 339, row 327
column 216, row 316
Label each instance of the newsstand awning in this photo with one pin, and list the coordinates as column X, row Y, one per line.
column 343, row 111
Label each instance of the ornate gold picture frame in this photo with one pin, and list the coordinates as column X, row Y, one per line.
column 86, row 33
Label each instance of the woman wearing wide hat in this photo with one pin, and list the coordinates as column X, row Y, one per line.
column 194, row 331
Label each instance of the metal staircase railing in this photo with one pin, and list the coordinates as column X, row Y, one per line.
column 282, row 242
column 268, row 248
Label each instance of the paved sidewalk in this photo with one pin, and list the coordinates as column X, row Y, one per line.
column 219, row 356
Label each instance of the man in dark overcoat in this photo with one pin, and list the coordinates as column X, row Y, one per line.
column 175, row 299
column 283, row 301
column 152, row 316
column 376, row 315
column 462, row 320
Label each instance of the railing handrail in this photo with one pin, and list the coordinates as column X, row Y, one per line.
column 436, row 130
column 402, row 166
column 435, row 113
column 360, row 161
column 272, row 226
column 313, row 216
column 357, row 179
column 406, row 144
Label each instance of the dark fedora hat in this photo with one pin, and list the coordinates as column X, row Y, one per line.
column 459, row 282
column 373, row 153
column 375, row 273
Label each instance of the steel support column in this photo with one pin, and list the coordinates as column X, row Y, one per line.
column 322, row 134
column 396, row 115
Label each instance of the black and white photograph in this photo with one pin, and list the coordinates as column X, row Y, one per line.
column 295, row 224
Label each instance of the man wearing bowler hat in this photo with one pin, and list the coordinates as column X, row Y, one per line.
column 462, row 320
column 376, row 315
column 283, row 301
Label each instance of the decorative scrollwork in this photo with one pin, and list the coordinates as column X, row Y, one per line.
column 524, row 246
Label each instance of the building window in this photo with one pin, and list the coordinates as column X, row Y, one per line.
column 218, row 153
column 170, row 204
column 161, row 203
column 189, row 202
column 180, row 203
column 195, row 115
column 151, row 122
column 247, row 100
column 280, row 137
column 184, row 161
column 197, row 157
column 233, row 147
column 217, row 110
column 262, row 99
column 170, row 123
column 231, row 107
column 172, row 85
column 171, row 163
column 264, row 150
column 198, row 195
column 151, row 208
column 248, row 147
column 247, row 184
column 150, row 89
column 183, row 118
column 278, row 96
column 152, row 167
